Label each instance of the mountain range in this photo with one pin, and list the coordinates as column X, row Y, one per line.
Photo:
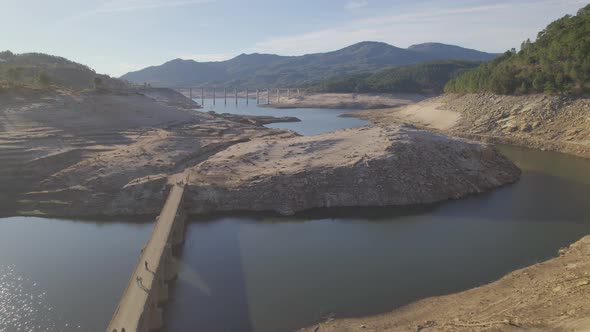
column 269, row 70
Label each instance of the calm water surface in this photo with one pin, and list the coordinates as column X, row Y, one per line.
column 63, row 275
column 268, row 273
column 313, row 120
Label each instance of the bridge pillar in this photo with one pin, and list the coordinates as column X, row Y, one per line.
column 213, row 96
column 247, row 96
column 267, row 97
column 169, row 269
column 202, row 96
column 161, row 290
column 257, row 97
column 177, row 236
column 155, row 318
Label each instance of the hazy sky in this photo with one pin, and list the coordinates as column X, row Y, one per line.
column 116, row 36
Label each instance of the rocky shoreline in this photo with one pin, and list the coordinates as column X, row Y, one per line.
column 555, row 123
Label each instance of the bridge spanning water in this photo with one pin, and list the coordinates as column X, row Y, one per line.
column 263, row 96
column 138, row 308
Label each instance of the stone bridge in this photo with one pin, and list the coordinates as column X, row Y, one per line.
column 138, row 308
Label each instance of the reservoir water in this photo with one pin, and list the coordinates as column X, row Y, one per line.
column 268, row 273
column 313, row 120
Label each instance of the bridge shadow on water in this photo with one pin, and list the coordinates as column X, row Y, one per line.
column 210, row 289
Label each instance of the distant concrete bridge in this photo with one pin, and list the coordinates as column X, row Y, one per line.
column 263, row 96
column 138, row 309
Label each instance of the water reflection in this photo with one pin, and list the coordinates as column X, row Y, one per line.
column 63, row 275
column 24, row 305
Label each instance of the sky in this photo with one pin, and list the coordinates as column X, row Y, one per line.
column 117, row 36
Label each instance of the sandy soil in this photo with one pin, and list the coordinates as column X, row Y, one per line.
column 555, row 123
column 430, row 115
column 345, row 100
column 548, row 296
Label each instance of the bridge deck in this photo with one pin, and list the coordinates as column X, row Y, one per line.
column 136, row 296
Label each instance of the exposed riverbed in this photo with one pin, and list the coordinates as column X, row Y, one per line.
column 265, row 273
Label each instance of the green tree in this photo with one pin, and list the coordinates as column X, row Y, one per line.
column 14, row 74
column 97, row 82
column 557, row 62
column 43, row 79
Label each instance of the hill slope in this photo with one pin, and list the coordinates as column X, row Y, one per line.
column 429, row 77
column 558, row 61
column 443, row 51
column 262, row 70
column 40, row 69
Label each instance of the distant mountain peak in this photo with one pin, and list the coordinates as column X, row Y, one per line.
column 430, row 44
column 179, row 60
column 263, row 70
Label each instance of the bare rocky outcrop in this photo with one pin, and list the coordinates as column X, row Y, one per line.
column 557, row 123
column 368, row 166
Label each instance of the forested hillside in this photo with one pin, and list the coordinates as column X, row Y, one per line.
column 423, row 78
column 557, row 62
column 43, row 70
